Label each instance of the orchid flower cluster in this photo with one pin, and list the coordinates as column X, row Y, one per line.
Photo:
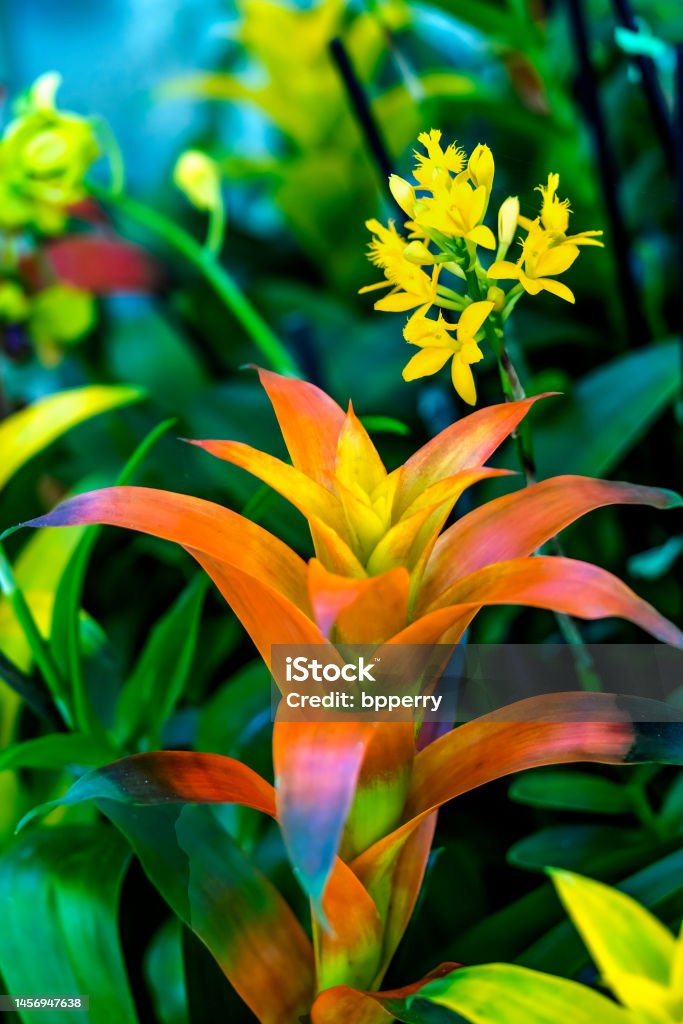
column 446, row 208
column 45, row 154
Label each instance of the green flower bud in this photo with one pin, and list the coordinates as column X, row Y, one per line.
column 44, row 157
column 14, row 304
column 62, row 314
column 198, row 178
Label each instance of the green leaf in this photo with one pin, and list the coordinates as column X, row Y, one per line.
column 571, row 791
column 37, row 570
column 625, row 940
column 65, row 633
column 655, row 563
column 237, row 712
column 385, row 425
column 164, row 972
column 60, row 750
column 31, row 694
column 595, row 848
column 166, row 365
column 59, row 892
column 27, row 432
column 507, row 994
column 609, row 411
column 162, row 671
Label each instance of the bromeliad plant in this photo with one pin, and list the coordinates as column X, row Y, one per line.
column 446, row 207
column 357, row 802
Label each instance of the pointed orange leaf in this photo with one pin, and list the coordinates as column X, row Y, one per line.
column 310, row 422
column 310, row 497
column 466, row 444
column 343, row 1005
column 201, row 525
column 563, row 585
column 349, row 947
column 517, row 524
column 365, row 611
column 316, row 770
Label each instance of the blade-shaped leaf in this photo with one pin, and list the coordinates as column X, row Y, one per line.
column 517, row 524
column 507, row 994
column 59, row 750
column 343, row 1004
column 59, row 892
column 235, row 911
column 608, row 412
column 162, row 670
column 625, row 940
column 27, row 432
column 571, row 791
column 170, row 776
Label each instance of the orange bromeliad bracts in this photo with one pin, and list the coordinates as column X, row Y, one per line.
column 357, row 802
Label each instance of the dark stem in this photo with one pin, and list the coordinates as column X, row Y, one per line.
column 652, row 88
column 678, row 138
column 589, row 96
column 362, row 109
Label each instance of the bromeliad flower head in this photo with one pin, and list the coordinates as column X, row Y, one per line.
column 446, row 205
column 440, row 341
column 44, row 156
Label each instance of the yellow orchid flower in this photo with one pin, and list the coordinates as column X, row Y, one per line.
column 445, row 203
column 435, row 167
column 438, row 342
column 457, row 212
column 555, row 216
column 539, row 262
column 410, row 286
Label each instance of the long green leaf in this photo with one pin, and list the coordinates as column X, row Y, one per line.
column 59, row 893
column 59, row 750
column 571, row 791
column 65, row 632
column 162, row 671
column 609, row 411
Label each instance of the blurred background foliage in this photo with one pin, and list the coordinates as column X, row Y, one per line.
column 257, row 86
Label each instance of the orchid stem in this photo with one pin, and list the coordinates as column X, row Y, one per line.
column 216, row 231
column 41, row 652
column 203, row 259
column 514, row 391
